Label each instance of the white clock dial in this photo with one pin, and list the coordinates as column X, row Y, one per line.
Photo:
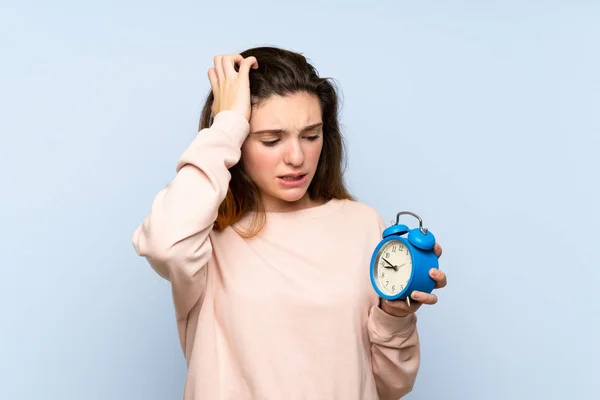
column 393, row 268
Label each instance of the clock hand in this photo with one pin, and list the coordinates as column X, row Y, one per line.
column 392, row 265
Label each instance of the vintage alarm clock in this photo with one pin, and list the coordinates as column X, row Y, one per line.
column 400, row 265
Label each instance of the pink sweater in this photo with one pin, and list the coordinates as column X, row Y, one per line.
column 289, row 314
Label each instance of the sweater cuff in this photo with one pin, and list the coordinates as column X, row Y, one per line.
column 233, row 124
column 385, row 325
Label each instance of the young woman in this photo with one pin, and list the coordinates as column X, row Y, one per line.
column 267, row 253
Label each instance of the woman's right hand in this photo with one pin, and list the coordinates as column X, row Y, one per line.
column 231, row 89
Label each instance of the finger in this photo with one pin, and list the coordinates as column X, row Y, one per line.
column 424, row 298
column 439, row 277
column 246, row 64
column 214, row 83
column 229, row 63
column 219, row 68
column 437, row 249
column 214, row 80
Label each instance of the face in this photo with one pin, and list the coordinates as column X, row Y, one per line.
column 283, row 148
column 394, row 266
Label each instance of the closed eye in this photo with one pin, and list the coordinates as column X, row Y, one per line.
column 271, row 143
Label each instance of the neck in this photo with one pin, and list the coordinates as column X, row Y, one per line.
column 276, row 205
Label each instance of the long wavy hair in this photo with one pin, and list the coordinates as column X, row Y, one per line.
column 283, row 72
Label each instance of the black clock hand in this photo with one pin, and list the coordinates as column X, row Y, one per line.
column 392, row 266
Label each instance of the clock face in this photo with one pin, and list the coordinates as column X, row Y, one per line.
column 393, row 268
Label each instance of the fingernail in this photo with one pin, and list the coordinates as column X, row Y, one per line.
column 434, row 272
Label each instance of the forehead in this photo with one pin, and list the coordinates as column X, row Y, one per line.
column 293, row 111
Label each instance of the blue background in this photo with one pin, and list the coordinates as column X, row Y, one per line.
column 482, row 117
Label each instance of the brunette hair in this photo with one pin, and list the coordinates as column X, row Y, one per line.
column 283, row 72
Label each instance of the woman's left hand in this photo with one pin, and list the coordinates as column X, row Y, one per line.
column 400, row 308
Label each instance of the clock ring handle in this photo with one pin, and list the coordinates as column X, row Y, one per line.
column 423, row 230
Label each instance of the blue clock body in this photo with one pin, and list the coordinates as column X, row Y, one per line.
column 418, row 243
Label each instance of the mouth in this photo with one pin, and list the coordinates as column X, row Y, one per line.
column 291, row 181
column 292, row 177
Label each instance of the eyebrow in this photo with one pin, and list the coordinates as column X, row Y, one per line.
column 305, row 129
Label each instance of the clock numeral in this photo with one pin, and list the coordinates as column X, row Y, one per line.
column 394, row 249
column 386, row 283
column 394, row 287
column 387, row 255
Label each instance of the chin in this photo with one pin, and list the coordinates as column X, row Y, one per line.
column 291, row 196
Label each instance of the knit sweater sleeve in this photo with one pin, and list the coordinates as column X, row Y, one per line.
column 395, row 351
column 174, row 236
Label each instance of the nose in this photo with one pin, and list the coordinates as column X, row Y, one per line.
column 294, row 155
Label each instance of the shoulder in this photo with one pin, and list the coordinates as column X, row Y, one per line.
column 362, row 214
